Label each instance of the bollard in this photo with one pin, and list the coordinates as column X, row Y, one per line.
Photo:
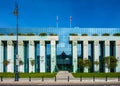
column 1, row 78
column 118, row 78
column 68, row 78
column 42, row 79
column 81, row 78
column 29, row 78
column 55, row 78
column 106, row 78
column 93, row 78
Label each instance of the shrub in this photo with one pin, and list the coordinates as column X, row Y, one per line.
column 94, row 34
column 116, row 34
column 73, row 34
column 105, row 34
column 21, row 34
column 84, row 34
column 11, row 34
column 30, row 34
column 53, row 34
column 43, row 34
column 1, row 34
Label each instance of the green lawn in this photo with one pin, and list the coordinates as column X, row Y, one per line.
column 26, row 75
column 99, row 75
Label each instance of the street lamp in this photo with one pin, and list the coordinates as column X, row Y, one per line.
column 17, row 56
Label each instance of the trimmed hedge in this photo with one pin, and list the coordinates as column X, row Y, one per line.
column 26, row 75
column 99, row 75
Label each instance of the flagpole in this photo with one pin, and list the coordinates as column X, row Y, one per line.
column 17, row 56
column 57, row 21
column 70, row 21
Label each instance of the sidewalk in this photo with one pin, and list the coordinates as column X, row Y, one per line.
column 60, row 81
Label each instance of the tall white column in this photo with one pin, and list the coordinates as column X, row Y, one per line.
column 42, row 56
column 21, row 55
column 107, row 52
column 118, row 55
column 85, row 53
column 31, row 56
column 53, row 56
column 1, row 56
column 74, row 44
column 10, row 56
column 96, row 55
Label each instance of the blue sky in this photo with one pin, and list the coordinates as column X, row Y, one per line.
column 42, row 13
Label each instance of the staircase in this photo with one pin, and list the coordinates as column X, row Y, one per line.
column 64, row 75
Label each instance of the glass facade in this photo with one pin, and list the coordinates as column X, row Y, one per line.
column 64, row 47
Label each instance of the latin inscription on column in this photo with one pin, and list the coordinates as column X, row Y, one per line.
column 107, row 52
column 53, row 56
column 118, row 55
column 42, row 56
column 21, row 55
column 85, row 52
column 31, row 55
column 74, row 56
column 10, row 56
column 96, row 55
column 1, row 56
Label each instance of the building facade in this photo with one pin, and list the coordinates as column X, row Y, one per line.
column 52, row 53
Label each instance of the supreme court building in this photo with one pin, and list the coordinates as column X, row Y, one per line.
column 52, row 53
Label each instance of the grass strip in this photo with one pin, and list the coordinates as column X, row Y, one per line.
column 98, row 75
column 26, row 75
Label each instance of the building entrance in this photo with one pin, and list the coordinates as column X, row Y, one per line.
column 64, row 62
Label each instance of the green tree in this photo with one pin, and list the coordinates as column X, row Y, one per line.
column 87, row 63
column 110, row 62
column 80, row 62
column 6, row 62
column 96, row 63
column 32, row 63
column 20, row 62
column 84, row 63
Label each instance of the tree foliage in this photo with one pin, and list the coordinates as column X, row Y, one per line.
column 20, row 62
column 84, row 63
column 96, row 62
column 110, row 62
column 6, row 62
column 32, row 62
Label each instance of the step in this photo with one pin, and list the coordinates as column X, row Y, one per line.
column 64, row 75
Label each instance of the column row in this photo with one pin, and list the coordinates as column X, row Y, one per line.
column 31, row 55
column 96, row 54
